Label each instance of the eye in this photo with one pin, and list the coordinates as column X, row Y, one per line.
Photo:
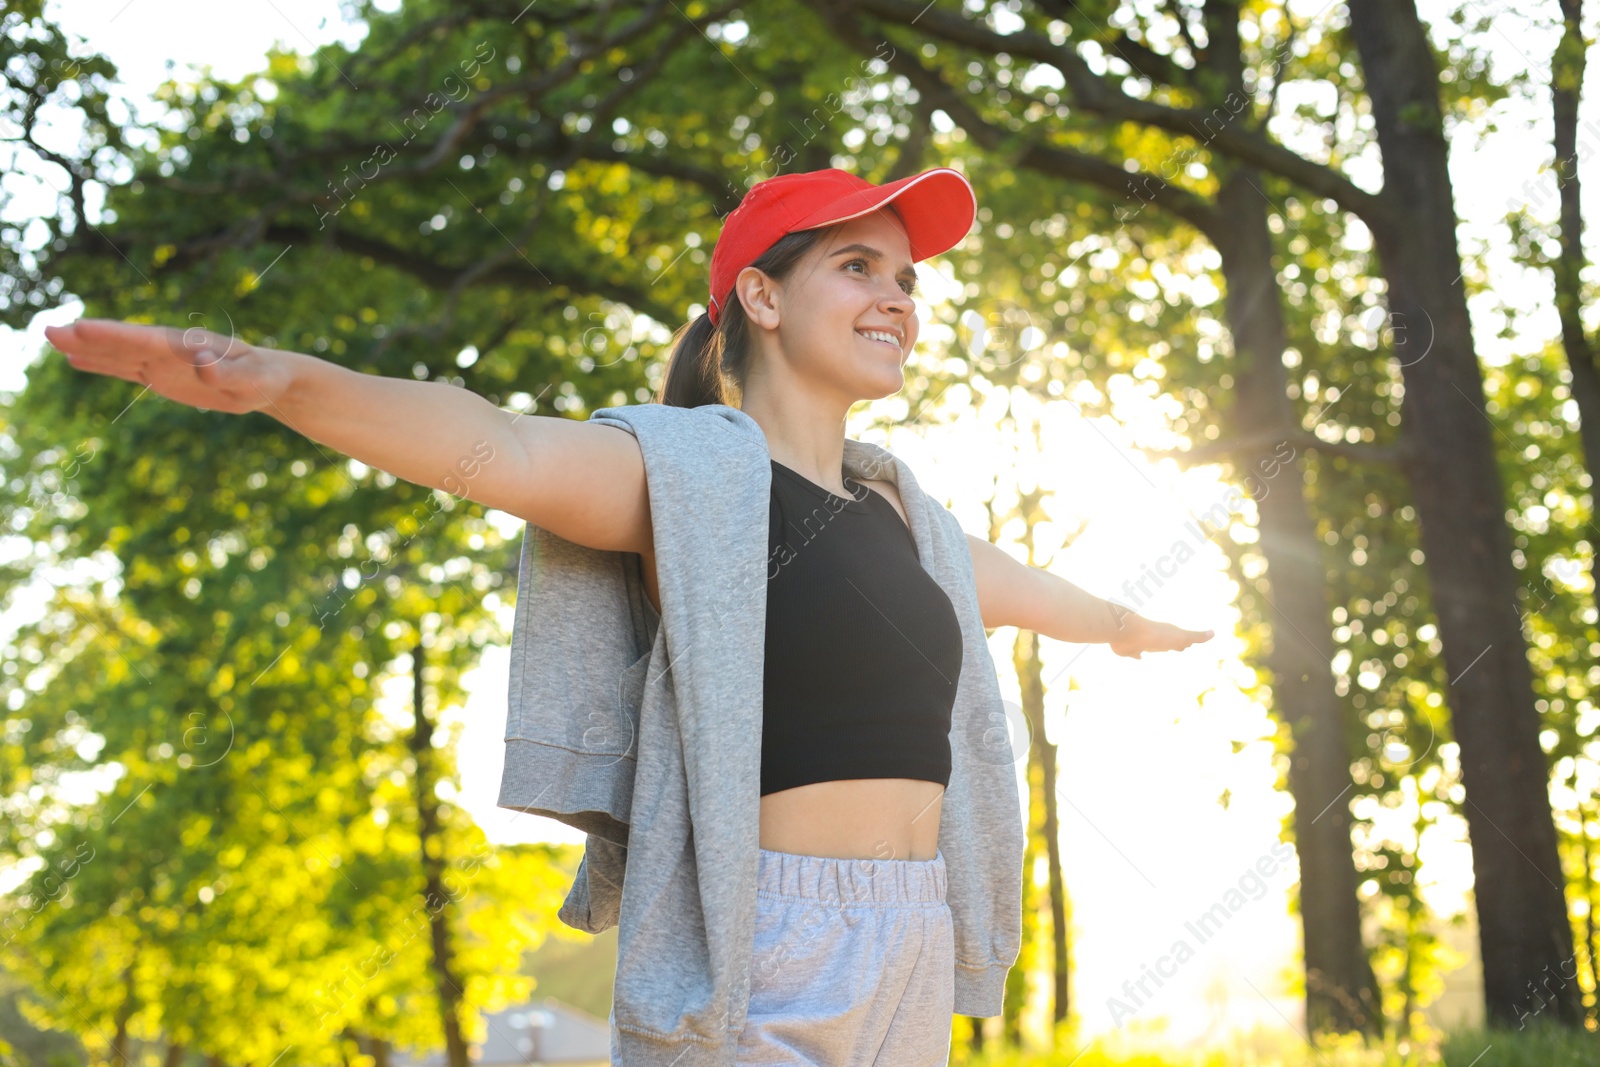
column 909, row 286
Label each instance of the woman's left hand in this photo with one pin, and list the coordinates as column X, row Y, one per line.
column 1139, row 635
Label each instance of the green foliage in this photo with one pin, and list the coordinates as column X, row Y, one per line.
column 220, row 820
column 39, row 71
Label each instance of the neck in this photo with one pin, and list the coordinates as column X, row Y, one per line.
column 804, row 431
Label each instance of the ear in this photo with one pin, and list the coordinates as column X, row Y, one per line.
column 759, row 295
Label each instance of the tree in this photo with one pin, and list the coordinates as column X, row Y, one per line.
column 258, row 847
column 1518, row 882
column 1557, row 610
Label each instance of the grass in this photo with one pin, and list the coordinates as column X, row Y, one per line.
column 1537, row 1046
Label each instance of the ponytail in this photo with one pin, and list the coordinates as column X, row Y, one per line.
column 709, row 363
column 695, row 373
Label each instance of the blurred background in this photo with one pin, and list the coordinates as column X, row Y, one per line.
column 1278, row 319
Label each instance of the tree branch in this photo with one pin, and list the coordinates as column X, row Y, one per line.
column 1148, row 63
column 909, row 159
column 1286, row 50
column 1102, row 95
column 1025, row 152
column 440, row 276
column 1175, row 9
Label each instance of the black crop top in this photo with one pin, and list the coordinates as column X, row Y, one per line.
column 863, row 648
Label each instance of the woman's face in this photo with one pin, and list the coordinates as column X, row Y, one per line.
column 853, row 282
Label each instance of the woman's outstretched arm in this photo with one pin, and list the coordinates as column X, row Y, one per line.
column 1011, row 593
column 582, row 481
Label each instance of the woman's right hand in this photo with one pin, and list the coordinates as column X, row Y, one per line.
column 197, row 367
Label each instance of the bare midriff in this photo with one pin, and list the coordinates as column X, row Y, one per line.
column 856, row 818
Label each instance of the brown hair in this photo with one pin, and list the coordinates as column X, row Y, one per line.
column 707, row 360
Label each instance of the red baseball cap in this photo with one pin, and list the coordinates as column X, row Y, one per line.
column 937, row 207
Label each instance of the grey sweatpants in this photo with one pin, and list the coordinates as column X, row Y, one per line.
column 854, row 964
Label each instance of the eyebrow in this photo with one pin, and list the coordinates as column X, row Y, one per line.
column 874, row 254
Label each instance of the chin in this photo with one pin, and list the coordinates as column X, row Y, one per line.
column 880, row 390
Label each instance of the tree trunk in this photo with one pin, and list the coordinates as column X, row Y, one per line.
column 1060, row 959
column 1044, row 825
column 1586, row 893
column 1408, row 970
column 120, row 1054
column 1341, row 991
column 378, row 1049
column 1591, row 940
column 174, row 1056
column 431, row 838
column 1566, row 85
column 1525, row 938
column 1016, row 987
column 1042, row 756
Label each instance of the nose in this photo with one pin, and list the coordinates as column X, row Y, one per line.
column 897, row 299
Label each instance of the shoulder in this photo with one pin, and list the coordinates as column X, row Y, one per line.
column 714, row 418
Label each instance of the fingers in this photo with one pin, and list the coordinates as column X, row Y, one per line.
column 64, row 338
column 181, row 365
column 1162, row 637
column 86, row 349
column 1190, row 637
column 96, row 345
column 1178, row 639
column 107, row 342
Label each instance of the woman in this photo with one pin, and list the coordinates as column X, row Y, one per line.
column 810, row 312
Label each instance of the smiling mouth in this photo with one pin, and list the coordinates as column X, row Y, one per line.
column 877, row 341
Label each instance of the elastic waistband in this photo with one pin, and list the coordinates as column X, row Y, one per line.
column 852, row 881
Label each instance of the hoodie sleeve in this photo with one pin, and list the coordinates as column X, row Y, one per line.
column 981, row 831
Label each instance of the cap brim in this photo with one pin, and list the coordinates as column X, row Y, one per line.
column 937, row 207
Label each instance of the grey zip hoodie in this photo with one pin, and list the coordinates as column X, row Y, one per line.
column 644, row 731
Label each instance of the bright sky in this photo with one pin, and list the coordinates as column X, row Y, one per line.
column 1145, row 751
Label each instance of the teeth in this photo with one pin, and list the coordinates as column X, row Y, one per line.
column 876, row 336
